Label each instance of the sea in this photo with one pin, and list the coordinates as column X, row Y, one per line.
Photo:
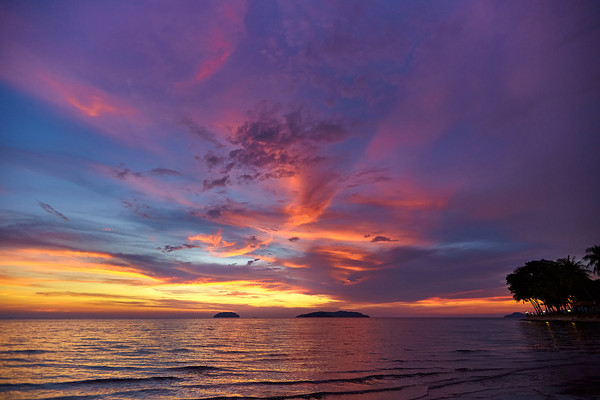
column 304, row 358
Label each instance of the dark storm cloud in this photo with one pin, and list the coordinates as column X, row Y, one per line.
column 50, row 210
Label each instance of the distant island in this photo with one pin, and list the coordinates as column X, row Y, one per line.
column 226, row 314
column 336, row 314
column 516, row 315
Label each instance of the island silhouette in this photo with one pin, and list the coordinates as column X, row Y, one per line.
column 226, row 314
column 336, row 314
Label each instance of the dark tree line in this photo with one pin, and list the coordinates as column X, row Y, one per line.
column 557, row 286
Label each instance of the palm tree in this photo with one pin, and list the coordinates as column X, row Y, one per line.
column 592, row 257
column 572, row 276
column 551, row 285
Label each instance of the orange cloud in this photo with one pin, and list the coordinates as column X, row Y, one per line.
column 290, row 264
column 310, row 198
column 343, row 253
column 81, row 262
column 214, row 240
column 220, row 248
column 347, row 262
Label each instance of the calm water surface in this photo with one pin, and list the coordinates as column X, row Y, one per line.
column 365, row 359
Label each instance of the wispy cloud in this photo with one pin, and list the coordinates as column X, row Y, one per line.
column 50, row 210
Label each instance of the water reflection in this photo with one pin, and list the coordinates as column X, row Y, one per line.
column 559, row 335
column 376, row 358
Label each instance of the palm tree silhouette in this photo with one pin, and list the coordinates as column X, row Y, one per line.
column 551, row 286
column 572, row 275
column 592, row 257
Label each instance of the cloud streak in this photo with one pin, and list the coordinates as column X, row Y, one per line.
column 50, row 210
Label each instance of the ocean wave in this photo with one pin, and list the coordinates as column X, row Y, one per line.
column 195, row 368
column 25, row 363
column 4, row 387
column 417, row 392
column 467, row 351
column 74, row 397
column 141, row 393
column 110, row 368
column 233, row 351
column 13, row 359
column 122, row 380
column 29, row 351
column 357, row 379
column 181, row 350
column 479, row 378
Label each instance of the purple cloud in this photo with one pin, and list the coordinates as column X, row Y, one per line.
column 138, row 208
column 50, row 210
column 382, row 239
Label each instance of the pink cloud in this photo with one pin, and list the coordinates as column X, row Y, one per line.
column 220, row 39
column 90, row 101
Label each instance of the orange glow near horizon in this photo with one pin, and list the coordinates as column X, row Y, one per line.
column 54, row 280
column 35, row 279
column 446, row 306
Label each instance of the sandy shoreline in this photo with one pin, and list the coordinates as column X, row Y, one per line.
column 564, row 318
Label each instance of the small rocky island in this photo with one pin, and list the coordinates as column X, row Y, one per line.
column 226, row 314
column 336, row 314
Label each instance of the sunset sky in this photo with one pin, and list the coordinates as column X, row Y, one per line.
column 397, row 158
